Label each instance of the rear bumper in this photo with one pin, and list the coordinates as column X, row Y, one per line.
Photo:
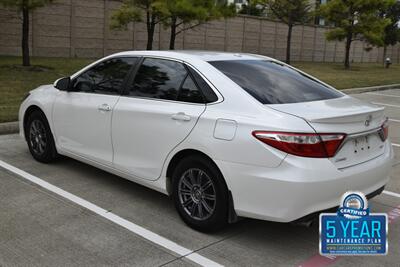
column 300, row 186
column 314, row 215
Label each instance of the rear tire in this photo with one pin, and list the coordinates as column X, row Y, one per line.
column 200, row 194
column 39, row 137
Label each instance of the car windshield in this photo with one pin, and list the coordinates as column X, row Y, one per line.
column 271, row 82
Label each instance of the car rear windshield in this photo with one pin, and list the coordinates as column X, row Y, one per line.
column 274, row 83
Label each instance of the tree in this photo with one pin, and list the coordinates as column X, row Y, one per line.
column 179, row 15
column 24, row 7
column 392, row 30
column 252, row 9
column 132, row 11
column 183, row 15
column 290, row 12
column 355, row 20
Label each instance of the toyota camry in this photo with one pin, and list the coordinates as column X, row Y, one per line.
column 225, row 135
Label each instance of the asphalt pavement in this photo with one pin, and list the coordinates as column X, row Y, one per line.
column 69, row 213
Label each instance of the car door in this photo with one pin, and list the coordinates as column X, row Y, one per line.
column 82, row 116
column 159, row 109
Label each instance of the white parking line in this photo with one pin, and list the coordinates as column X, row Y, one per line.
column 370, row 93
column 383, row 104
column 394, row 120
column 153, row 237
column 390, row 193
column 396, row 145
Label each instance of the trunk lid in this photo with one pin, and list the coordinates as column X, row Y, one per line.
column 359, row 120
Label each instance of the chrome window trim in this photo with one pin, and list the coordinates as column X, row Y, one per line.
column 164, row 100
column 355, row 135
column 350, row 137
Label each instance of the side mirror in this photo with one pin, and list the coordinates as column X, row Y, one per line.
column 63, row 84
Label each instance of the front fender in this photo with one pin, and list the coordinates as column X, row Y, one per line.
column 43, row 98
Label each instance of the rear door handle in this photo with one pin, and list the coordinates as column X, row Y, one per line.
column 104, row 107
column 180, row 116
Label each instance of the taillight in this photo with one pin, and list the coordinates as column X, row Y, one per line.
column 303, row 144
column 384, row 133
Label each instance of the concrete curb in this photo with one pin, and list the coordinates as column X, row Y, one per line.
column 13, row 127
column 9, row 127
column 369, row 89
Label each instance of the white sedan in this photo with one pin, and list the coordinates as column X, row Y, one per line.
column 224, row 134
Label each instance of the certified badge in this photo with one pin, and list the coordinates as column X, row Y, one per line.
column 353, row 230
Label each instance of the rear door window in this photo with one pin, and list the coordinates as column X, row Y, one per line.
column 158, row 78
column 207, row 92
column 189, row 92
column 274, row 83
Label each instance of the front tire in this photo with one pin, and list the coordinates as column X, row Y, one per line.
column 39, row 137
column 200, row 194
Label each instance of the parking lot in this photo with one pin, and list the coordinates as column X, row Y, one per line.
column 69, row 213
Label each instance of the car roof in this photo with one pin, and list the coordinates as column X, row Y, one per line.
column 195, row 54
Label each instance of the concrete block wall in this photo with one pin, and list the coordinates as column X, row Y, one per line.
column 80, row 28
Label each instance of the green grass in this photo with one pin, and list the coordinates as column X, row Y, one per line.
column 360, row 74
column 16, row 81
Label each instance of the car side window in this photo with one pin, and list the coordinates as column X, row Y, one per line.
column 189, row 92
column 209, row 95
column 106, row 77
column 158, row 78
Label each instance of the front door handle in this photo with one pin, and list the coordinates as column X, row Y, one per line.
column 180, row 116
column 104, row 107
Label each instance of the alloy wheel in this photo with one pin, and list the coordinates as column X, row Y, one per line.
column 197, row 194
column 38, row 137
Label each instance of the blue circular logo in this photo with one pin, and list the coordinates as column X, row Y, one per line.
column 353, row 205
